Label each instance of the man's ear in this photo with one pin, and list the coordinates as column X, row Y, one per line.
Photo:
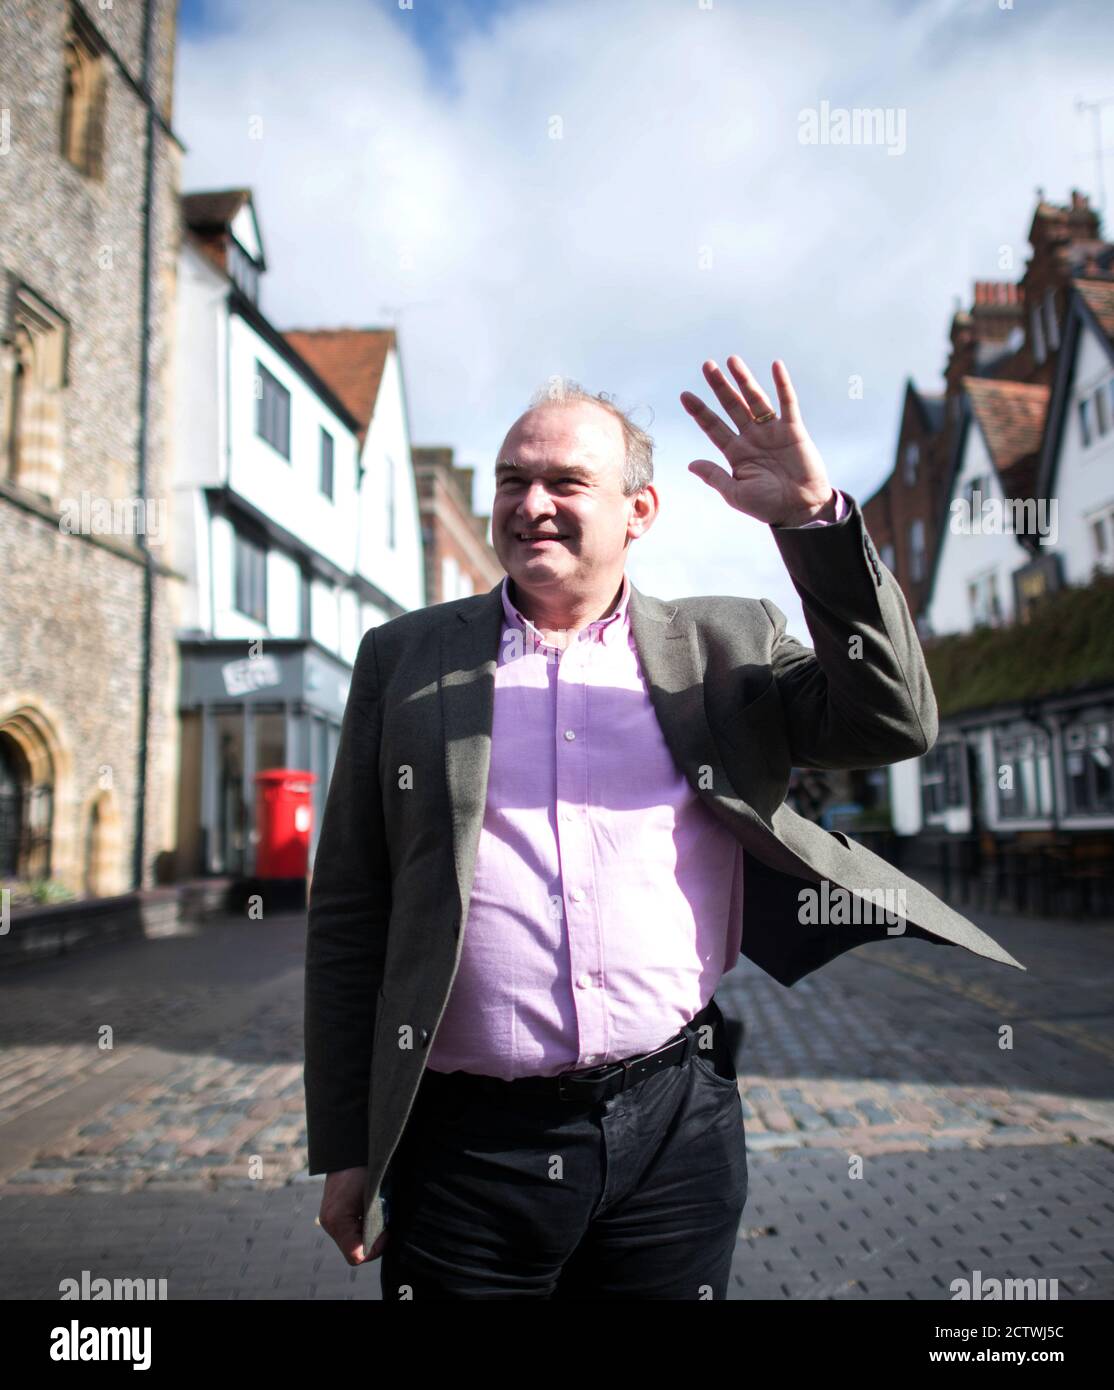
column 643, row 511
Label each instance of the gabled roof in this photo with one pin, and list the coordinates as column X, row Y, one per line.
column 1090, row 306
column 930, row 408
column 214, row 211
column 351, row 361
column 214, row 207
column 930, row 412
column 1011, row 416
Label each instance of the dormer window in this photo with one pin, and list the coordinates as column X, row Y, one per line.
column 912, row 459
column 243, row 271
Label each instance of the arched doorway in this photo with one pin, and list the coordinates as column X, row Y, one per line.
column 31, row 759
column 13, row 783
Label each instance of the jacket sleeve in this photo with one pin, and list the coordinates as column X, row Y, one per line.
column 346, row 940
column 861, row 696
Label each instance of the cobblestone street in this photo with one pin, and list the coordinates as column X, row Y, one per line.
column 180, row 1152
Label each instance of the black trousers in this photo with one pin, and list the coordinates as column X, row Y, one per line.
column 498, row 1195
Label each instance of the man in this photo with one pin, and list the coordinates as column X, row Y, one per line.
column 556, row 818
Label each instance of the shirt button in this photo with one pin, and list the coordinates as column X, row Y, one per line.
column 570, row 734
column 590, row 1058
column 577, row 895
column 583, row 981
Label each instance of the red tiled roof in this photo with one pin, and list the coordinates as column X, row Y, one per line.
column 1011, row 416
column 350, row 361
column 1099, row 298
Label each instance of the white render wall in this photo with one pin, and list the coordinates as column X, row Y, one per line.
column 397, row 571
column 200, row 396
column 288, row 491
column 199, row 442
column 1084, row 477
column 284, row 594
column 216, row 444
column 964, row 558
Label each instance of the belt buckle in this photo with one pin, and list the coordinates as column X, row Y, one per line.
column 563, row 1092
column 628, row 1064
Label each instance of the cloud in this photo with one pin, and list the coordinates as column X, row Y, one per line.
column 616, row 192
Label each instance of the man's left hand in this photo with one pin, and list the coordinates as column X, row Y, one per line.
column 777, row 475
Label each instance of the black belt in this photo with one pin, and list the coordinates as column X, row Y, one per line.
column 589, row 1085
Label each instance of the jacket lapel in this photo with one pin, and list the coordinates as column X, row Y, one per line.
column 669, row 654
column 469, row 655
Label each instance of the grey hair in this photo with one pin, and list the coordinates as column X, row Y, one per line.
column 638, row 464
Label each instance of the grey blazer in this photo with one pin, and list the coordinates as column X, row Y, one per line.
column 739, row 702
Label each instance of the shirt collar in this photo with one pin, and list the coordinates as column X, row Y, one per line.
column 602, row 630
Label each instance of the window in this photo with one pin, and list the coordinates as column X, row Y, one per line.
column 1051, row 327
column 326, row 463
column 1087, row 743
column 1101, row 527
column 1102, row 410
column 390, row 501
column 1023, row 775
column 888, row 557
column 272, row 410
column 943, row 778
column 83, row 96
column 1086, row 421
column 916, row 551
column 975, row 492
column 250, row 565
column 32, row 376
column 982, row 595
column 912, row 459
column 1036, row 333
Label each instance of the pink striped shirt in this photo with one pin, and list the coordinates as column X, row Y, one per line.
column 607, row 899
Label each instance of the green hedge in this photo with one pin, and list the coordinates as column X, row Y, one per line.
column 1067, row 644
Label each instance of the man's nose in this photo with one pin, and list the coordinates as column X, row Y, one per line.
column 536, row 501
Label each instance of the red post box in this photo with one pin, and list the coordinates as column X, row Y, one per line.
column 284, row 822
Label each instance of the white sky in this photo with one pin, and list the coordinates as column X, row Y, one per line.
column 394, row 172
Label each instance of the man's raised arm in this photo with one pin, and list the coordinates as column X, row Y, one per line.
column 862, row 697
